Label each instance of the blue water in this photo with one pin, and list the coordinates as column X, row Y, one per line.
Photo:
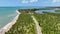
column 7, row 14
column 41, row 11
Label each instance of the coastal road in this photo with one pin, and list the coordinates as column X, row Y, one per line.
column 37, row 25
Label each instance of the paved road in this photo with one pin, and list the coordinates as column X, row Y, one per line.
column 37, row 25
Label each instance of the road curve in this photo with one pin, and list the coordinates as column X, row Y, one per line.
column 37, row 25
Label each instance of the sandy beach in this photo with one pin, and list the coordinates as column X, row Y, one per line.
column 9, row 25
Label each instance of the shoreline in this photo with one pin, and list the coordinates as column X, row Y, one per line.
column 9, row 25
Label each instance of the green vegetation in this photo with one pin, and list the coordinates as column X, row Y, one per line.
column 24, row 25
column 49, row 23
column 27, row 10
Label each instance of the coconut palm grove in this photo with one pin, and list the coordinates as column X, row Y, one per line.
column 49, row 22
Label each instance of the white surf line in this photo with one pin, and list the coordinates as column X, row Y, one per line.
column 37, row 25
column 9, row 25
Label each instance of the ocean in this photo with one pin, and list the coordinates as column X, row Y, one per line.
column 7, row 14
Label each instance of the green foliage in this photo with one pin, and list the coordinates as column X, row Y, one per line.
column 24, row 25
column 49, row 23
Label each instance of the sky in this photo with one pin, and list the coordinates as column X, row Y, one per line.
column 29, row 3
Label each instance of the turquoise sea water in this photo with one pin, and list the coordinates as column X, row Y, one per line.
column 7, row 14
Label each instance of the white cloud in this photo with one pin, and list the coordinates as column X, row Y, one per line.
column 56, row 1
column 24, row 1
column 29, row 1
column 33, row 0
